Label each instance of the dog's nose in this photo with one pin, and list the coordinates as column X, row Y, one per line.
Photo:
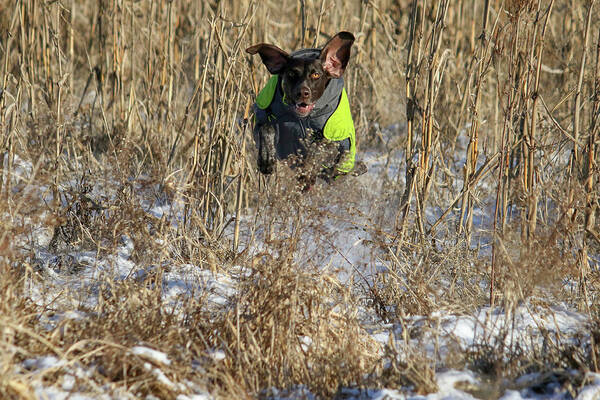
column 305, row 92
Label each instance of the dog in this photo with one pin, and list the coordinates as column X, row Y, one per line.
column 304, row 107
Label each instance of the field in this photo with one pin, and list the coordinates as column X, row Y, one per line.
column 142, row 255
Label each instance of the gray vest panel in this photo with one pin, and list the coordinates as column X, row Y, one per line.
column 293, row 130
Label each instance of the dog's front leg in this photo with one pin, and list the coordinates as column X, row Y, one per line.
column 266, row 148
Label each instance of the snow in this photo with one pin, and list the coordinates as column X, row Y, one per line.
column 525, row 323
column 592, row 391
column 447, row 381
column 52, row 393
column 45, row 362
column 160, row 376
column 217, row 355
column 153, row 355
column 68, row 383
column 193, row 397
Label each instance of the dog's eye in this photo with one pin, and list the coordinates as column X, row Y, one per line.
column 315, row 75
column 292, row 74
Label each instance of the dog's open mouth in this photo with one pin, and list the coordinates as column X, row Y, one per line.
column 304, row 108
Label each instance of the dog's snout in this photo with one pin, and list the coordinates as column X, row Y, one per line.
column 305, row 92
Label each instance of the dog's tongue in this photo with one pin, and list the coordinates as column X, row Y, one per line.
column 303, row 108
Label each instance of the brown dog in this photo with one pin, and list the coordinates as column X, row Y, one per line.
column 303, row 103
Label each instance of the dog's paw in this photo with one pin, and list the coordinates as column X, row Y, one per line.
column 265, row 165
column 266, row 149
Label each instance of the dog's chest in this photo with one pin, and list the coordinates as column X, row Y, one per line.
column 294, row 132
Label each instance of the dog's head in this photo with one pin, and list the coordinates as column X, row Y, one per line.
column 305, row 74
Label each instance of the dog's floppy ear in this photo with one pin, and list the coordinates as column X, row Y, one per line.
column 273, row 57
column 336, row 53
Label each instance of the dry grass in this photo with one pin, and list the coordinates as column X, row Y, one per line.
column 111, row 107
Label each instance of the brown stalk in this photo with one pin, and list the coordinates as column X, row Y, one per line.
column 241, row 177
column 318, row 29
column 578, row 94
column 590, row 175
column 72, row 45
column 426, row 170
column 131, row 107
column 412, row 108
column 6, row 142
column 575, row 160
column 303, row 14
column 199, row 119
column 499, row 209
column 481, row 173
column 115, row 70
column 472, row 149
column 169, row 53
column 531, row 140
column 410, row 118
column 58, row 80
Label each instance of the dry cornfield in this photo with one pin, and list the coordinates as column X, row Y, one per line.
column 144, row 256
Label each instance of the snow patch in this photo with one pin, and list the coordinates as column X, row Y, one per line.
column 151, row 354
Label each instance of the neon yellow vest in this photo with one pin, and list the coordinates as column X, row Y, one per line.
column 338, row 126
